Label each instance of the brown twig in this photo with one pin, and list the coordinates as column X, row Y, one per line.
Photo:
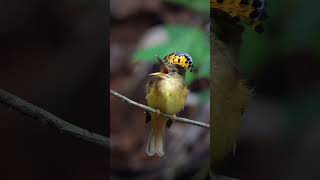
column 52, row 120
column 179, row 119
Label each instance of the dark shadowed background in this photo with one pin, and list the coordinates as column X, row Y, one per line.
column 280, row 136
column 280, row 133
column 53, row 54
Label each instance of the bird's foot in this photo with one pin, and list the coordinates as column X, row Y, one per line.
column 169, row 123
column 174, row 116
column 148, row 116
column 171, row 120
column 158, row 112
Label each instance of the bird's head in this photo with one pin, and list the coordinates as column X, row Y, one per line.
column 176, row 63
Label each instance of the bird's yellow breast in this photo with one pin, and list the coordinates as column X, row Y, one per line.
column 168, row 95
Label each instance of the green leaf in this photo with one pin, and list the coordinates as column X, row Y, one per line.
column 150, row 54
column 204, row 96
column 191, row 40
column 189, row 78
column 204, row 69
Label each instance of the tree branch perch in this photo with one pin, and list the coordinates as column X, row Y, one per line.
column 54, row 121
column 179, row 119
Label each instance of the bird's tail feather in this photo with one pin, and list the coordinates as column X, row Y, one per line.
column 156, row 138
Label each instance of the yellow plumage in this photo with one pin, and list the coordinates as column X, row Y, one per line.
column 230, row 96
column 166, row 92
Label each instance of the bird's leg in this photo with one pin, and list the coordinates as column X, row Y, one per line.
column 174, row 116
column 148, row 116
column 158, row 112
column 171, row 120
column 169, row 123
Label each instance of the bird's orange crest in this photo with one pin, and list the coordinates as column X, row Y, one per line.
column 180, row 58
column 251, row 12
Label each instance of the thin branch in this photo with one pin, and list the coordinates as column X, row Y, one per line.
column 52, row 120
column 180, row 119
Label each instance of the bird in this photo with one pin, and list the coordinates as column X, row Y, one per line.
column 230, row 96
column 166, row 92
column 250, row 12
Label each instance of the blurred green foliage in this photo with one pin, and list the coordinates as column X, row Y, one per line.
column 292, row 25
column 303, row 109
column 204, row 96
column 191, row 40
column 202, row 6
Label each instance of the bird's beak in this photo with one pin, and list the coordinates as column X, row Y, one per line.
column 164, row 67
column 156, row 74
column 159, row 74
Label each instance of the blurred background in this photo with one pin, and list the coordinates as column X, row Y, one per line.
column 140, row 30
column 53, row 54
column 280, row 136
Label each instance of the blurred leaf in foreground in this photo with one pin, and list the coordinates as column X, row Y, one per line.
column 191, row 40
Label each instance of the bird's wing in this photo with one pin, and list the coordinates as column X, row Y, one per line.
column 152, row 83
